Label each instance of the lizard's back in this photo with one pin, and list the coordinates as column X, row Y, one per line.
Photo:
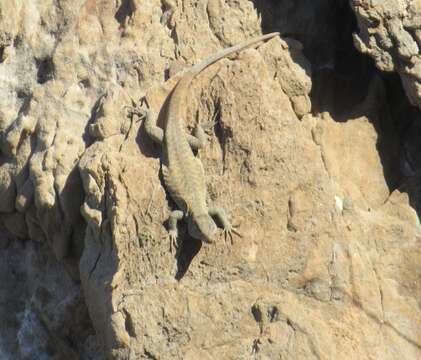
column 182, row 171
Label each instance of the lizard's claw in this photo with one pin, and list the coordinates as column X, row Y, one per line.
column 229, row 231
column 208, row 125
column 137, row 109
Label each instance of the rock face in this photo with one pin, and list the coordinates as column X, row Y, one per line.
column 309, row 154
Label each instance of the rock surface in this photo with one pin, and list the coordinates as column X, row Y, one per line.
column 309, row 154
column 390, row 32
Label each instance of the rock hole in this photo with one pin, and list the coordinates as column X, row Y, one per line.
column 45, row 70
column 17, row 42
column 85, row 83
column 25, row 100
column 166, row 74
column 257, row 313
column 125, row 11
column 2, row 54
column 148, row 355
column 5, row 41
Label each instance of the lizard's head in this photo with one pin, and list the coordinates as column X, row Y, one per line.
column 203, row 228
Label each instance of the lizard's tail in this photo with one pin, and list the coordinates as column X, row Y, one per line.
column 228, row 51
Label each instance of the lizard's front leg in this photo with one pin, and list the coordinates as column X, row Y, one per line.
column 150, row 119
column 222, row 217
column 196, row 141
column 154, row 131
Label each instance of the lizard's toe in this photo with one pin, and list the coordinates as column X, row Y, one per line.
column 229, row 231
column 132, row 110
column 172, row 235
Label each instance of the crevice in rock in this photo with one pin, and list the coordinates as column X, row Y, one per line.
column 222, row 133
column 96, row 111
column 185, row 255
column 95, row 264
column 167, row 12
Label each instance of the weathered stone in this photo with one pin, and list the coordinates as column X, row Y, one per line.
column 393, row 41
column 305, row 155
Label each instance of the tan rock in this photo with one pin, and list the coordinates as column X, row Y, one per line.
column 328, row 263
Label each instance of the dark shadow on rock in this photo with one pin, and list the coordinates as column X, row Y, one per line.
column 189, row 248
column 412, row 186
column 380, row 97
column 347, row 85
column 126, row 10
column 46, row 69
column 344, row 82
column 359, row 92
column 312, row 22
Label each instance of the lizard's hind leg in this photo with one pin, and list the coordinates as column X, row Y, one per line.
column 198, row 139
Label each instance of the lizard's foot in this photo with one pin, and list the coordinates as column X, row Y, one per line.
column 172, row 235
column 213, row 121
column 228, row 232
column 172, row 228
column 137, row 109
column 228, row 228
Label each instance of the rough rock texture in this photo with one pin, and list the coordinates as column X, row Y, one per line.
column 390, row 32
column 308, row 154
column 43, row 312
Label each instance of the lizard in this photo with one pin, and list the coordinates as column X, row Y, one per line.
column 183, row 173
